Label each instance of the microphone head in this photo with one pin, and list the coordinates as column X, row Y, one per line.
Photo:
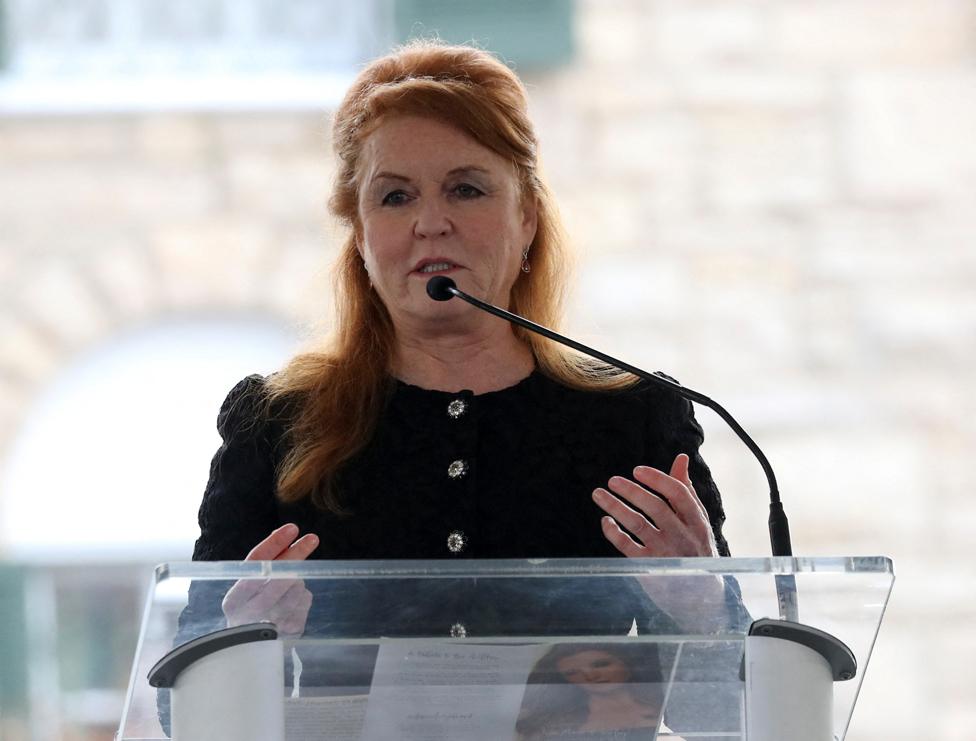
column 439, row 288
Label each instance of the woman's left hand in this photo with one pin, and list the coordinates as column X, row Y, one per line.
column 661, row 512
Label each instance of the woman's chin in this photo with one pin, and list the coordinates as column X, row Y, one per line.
column 437, row 317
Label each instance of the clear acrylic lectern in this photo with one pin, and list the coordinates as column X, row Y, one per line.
column 502, row 649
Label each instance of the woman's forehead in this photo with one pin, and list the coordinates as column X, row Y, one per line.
column 415, row 145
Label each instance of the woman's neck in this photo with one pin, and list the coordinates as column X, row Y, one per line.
column 490, row 361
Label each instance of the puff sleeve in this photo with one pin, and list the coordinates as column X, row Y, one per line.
column 677, row 430
column 238, row 509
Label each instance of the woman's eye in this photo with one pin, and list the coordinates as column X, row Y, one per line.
column 464, row 190
column 395, row 198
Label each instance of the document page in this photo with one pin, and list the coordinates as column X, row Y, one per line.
column 337, row 718
column 460, row 691
column 444, row 692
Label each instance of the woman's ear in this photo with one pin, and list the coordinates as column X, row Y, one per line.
column 530, row 218
column 359, row 241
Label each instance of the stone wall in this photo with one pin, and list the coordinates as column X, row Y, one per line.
column 785, row 188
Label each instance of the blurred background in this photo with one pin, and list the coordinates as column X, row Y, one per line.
column 772, row 200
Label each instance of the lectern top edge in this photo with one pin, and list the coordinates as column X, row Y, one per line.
column 556, row 567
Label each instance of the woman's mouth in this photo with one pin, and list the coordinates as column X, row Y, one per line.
column 435, row 267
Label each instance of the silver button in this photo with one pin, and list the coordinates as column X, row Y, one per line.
column 459, row 631
column 456, row 408
column 456, row 541
column 457, row 469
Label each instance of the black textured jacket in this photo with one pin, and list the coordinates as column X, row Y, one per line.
column 510, row 473
column 506, row 474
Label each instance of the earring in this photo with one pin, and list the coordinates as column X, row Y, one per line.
column 526, row 268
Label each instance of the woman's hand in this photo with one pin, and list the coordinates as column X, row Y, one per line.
column 668, row 520
column 664, row 517
column 284, row 602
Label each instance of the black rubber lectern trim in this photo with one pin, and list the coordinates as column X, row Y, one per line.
column 843, row 665
column 168, row 668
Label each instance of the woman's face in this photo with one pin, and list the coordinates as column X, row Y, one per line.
column 432, row 201
column 598, row 670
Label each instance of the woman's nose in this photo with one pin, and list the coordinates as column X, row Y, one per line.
column 432, row 220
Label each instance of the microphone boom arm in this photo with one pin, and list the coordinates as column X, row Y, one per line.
column 779, row 528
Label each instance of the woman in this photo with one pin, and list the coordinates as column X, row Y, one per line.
column 581, row 691
column 429, row 429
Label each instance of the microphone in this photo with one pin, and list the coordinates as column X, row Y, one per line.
column 442, row 288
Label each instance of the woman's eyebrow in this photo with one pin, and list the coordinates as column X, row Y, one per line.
column 462, row 170
column 389, row 176
column 468, row 168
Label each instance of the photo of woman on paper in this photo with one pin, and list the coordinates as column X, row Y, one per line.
column 586, row 692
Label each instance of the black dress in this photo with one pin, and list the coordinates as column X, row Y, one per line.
column 506, row 474
column 509, row 473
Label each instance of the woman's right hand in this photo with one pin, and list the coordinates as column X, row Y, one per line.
column 284, row 602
